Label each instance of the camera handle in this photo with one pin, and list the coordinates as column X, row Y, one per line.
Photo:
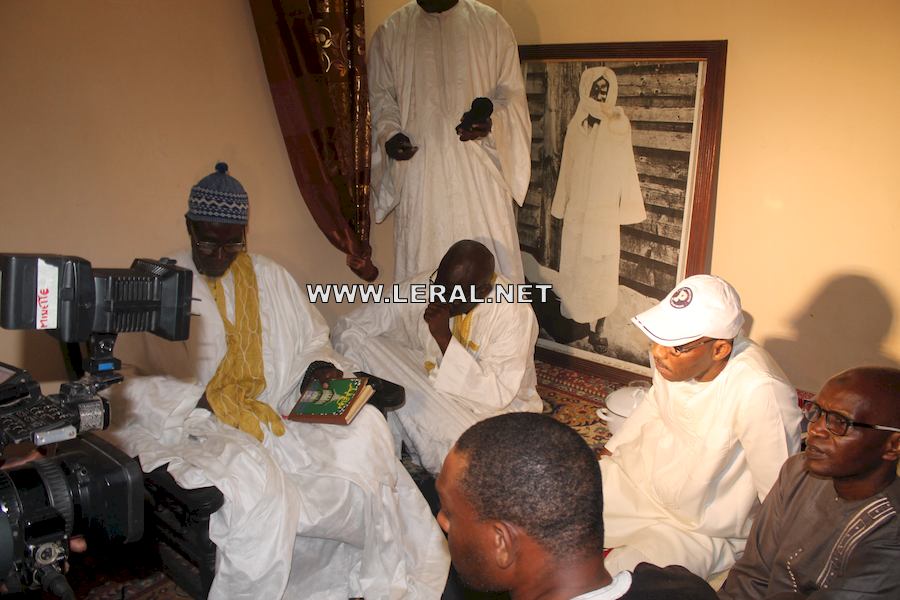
column 100, row 372
column 101, row 361
column 54, row 582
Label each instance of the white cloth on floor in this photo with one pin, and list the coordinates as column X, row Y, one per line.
column 322, row 512
column 691, row 466
column 424, row 71
column 493, row 375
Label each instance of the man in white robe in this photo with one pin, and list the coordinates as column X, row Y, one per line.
column 311, row 511
column 448, row 178
column 460, row 362
column 689, row 468
column 597, row 191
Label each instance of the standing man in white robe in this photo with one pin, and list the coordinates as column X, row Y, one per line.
column 460, row 362
column 689, row 468
column 334, row 499
column 449, row 178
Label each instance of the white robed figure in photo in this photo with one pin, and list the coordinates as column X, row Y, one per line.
column 448, row 180
column 459, row 362
column 312, row 511
column 597, row 191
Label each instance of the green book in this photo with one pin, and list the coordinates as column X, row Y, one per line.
column 336, row 404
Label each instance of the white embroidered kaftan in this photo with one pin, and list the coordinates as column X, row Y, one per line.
column 333, row 497
column 492, row 374
column 597, row 190
column 424, row 71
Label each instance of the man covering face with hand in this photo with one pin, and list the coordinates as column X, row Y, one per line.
column 461, row 358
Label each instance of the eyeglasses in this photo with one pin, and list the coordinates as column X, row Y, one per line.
column 835, row 423
column 211, row 248
column 685, row 348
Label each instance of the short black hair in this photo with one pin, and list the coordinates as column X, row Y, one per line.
column 473, row 260
column 532, row 471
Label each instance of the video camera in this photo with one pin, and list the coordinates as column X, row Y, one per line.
column 88, row 487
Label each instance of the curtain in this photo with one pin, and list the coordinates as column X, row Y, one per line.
column 314, row 55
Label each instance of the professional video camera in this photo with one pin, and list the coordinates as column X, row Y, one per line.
column 88, row 487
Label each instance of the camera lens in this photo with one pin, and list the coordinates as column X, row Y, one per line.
column 88, row 488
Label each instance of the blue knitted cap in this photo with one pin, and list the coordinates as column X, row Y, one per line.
column 218, row 198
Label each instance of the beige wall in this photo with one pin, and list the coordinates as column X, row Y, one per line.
column 808, row 203
column 110, row 110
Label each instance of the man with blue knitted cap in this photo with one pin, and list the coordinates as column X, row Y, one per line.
column 686, row 473
column 312, row 511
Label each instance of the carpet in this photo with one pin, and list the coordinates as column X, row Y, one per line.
column 155, row 587
column 573, row 398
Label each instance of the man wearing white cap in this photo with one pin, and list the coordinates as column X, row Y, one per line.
column 688, row 470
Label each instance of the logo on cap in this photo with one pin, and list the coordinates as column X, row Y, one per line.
column 681, row 297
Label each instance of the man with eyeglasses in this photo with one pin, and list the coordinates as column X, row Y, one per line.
column 829, row 527
column 461, row 359
column 311, row 510
column 689, row 468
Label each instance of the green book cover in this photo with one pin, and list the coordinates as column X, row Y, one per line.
column 328, row 402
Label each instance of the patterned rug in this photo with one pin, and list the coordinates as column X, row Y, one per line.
column 573, row 398
column 155, row 587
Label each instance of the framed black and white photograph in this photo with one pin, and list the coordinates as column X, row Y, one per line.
column 620, row 207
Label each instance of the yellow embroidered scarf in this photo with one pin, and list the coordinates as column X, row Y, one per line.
column 239, row 380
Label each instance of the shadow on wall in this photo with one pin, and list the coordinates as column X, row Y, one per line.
column 43, row 357
column 747, row 329
column 35, row 351
column 843, row 326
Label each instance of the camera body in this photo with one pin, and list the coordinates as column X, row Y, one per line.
column 88, row 486
column 26, row 415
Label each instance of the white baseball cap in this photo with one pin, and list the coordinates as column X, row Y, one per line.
column 699, row 306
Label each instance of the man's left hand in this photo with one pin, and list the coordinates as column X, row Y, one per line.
column 18, row 455
column 437, row 315
column 326, row 374
column 475, row 131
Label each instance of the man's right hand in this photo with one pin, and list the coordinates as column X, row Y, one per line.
column 400, row 148
column 437, row 315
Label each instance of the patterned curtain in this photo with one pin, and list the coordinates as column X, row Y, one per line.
column 314, row 54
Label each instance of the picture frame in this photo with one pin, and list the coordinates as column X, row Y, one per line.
column 619, row 209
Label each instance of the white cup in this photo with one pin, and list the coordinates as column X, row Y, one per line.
column 621, row 403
